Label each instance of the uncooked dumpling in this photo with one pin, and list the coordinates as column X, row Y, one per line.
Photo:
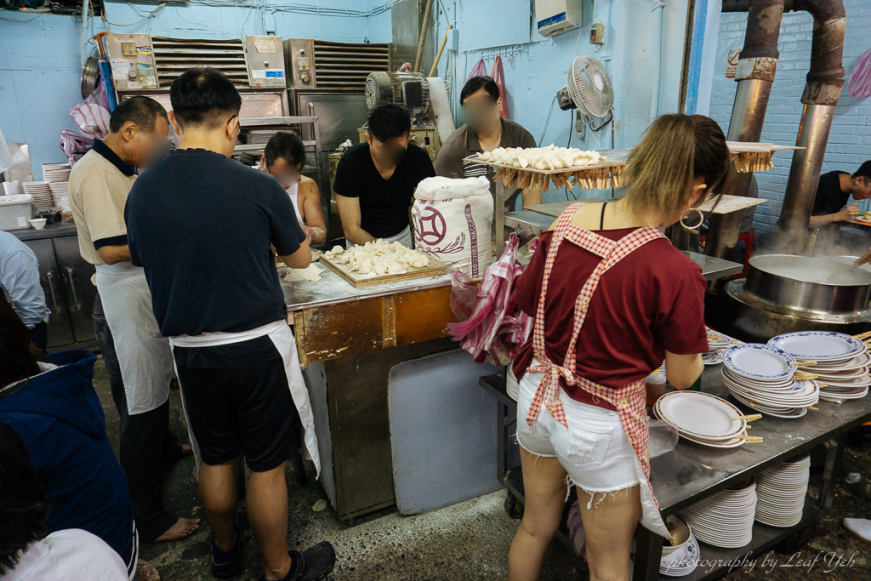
column 395, row 268
column 311, row 273
column 366, row 267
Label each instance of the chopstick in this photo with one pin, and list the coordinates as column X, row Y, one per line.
column 838, row 273
column 865, row 335
column 802, row 363
column 805, row 376
column 750, row 418
column 810, row 407
column 751, row 439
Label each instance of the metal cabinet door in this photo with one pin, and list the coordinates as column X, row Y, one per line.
column 76, row 274
column 60, row 331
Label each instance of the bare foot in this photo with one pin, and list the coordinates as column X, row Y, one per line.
column 183, row 528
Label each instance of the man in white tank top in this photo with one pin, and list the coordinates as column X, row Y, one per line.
column 284, row 158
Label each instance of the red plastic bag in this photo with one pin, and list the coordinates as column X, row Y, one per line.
column 499, row 76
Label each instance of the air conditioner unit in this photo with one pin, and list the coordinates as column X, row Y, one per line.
column 554, row 17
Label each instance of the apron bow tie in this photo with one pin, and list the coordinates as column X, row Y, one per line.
column 548, row 392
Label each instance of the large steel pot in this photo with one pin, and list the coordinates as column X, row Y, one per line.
column 791, row 284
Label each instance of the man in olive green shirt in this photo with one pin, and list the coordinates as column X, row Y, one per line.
column 485, row 130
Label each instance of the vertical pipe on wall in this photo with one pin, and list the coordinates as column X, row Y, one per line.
column 83, row 46
column 657, row 7
column 755, row 75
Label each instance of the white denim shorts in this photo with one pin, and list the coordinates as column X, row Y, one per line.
column 595, row 450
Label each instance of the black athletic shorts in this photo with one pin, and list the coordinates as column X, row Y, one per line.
column 238, row 402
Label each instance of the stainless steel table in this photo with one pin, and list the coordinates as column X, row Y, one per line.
column 692, row 472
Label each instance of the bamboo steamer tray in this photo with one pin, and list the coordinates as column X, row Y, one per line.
column 435, row 268
column 748, row 157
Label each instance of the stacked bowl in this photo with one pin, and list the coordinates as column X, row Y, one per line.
column 512, row 386
column 717, row 343
column 681, row 557
column 41, row 193
column 840, row 361
column 56, row 172
column 781, row 491
column 724, row 519
column 703, row 418
column 763, row 378
column 60, row 192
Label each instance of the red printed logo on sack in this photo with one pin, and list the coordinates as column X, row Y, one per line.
column 431, row 226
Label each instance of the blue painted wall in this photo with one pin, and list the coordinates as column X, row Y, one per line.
column 40, row 62
column 850, row 138
column 534, row 71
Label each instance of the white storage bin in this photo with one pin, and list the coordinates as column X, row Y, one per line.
column 15, row 212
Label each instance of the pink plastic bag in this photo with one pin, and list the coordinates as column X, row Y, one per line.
column 860, row 77
column 479, row 70
column 92, row 114
column 74, row 145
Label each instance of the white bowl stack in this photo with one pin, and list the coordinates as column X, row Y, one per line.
column 703, row 418
column 781, row 491
column 842, row 362
column 724, row 519
column 56, row 172
column 60, row 192
column 763, row 378
column 41, row 193
column 682, row 558
column 512, row 386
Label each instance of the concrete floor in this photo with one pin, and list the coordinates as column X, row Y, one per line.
column 464, row 542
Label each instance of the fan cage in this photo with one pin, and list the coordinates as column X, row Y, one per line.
column 582, row 87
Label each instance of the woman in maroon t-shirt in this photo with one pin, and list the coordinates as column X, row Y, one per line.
column 612, row 298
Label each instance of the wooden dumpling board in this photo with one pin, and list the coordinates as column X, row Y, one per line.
column 435, row 268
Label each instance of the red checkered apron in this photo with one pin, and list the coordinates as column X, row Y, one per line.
column 630, row 399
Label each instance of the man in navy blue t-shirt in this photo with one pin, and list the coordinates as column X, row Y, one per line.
column 202, row 226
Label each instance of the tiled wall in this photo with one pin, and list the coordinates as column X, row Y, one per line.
column 850, row 139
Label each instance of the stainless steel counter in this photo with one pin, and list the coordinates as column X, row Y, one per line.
column 714, row 268
column 50, row 231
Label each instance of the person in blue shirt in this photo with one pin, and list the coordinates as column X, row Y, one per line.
column 19, row 279
column 53, row 408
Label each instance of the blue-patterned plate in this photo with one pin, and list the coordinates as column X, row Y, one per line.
column 761, row 362
column 818, row 345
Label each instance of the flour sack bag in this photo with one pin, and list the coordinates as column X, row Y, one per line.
column 452, row 222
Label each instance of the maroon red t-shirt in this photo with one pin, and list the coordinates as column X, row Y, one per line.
column 650, row 302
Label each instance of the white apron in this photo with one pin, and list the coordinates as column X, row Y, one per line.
column 293, row 192
column 282, row 337
column 405, row 238
column 144, row 355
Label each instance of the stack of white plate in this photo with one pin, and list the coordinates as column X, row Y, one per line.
column 512, row 386
column 703, row 418
column 41, row 193
column 781, row 492
column 59, row 192
column 56, row 172
column 724, row 519
column 762, row 377
column 717, row 342
column 682, row 558
column 841, row 362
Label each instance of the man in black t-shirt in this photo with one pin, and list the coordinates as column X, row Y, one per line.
column 375, row 181
column 202, row 226
column 833, row 192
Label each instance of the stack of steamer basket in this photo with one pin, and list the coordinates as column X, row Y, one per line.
column 839, row 361
column 767, row 379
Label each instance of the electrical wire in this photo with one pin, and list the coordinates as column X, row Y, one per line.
column 22, row 21
column 546, row 122
column 148, row 14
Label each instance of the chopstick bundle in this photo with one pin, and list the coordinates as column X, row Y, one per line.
column 750, row 418
column 751, row 439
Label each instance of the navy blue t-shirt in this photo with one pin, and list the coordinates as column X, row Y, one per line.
column 201, row 225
